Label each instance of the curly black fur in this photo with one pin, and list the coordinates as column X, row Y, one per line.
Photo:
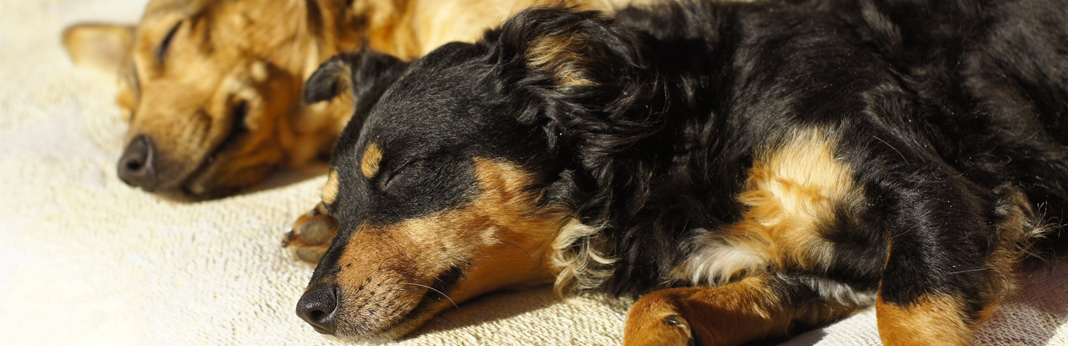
column 647, row 124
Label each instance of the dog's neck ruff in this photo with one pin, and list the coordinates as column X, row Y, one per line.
column 580, row 266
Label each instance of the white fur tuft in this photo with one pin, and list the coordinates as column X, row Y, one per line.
column 581, row 269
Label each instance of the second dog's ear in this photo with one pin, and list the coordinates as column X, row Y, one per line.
column 101, row 46
column 359, row 73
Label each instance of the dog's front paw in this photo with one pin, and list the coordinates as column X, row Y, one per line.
column 655, row 320
column 311, row 235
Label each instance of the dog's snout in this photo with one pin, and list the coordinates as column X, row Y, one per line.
column 318, row 307
column 137, row 164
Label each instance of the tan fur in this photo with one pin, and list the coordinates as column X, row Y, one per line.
column 329, row 193
column 792, row 192
column 727, row 315
column 501, row 239
column 566, row 56
column 260, row 52
column 100, row 45
column 931, row 320
column 1017, row 230
column 561, row 57
column 654, row 321
column 937, row 319
column 369, row 161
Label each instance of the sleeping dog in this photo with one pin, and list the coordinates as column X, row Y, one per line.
column 751, row 169
column 211, row 89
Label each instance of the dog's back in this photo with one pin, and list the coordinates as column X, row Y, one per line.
column 756, row 169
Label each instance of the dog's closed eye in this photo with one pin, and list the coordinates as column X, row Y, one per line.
column 398, row 174
column 161, row 52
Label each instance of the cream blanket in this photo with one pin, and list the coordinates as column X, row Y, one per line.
column 84, row 259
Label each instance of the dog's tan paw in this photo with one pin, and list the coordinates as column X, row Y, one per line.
column 311, row 235
column 654, row 320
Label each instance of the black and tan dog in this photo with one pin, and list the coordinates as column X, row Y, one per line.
column 752, row 169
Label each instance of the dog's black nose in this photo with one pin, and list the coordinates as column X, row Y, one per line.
column 318, row 307
column 137, row 164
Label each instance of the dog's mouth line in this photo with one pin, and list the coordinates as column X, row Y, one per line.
column 436, row 292
column 202, row 168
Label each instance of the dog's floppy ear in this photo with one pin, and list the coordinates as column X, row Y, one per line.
column 572, row 49
column 584, row 80
column 585, row 73
column 359, row 73
column 328, row 81
column 102, row 46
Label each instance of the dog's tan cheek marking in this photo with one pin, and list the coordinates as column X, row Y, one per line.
column 502, row 236
column 501, row 239
column 930, row 320
column 792, row 192
column 515, row 235
column 372, row 156
column 329, row 194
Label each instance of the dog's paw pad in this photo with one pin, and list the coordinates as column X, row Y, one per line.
column 317, row 231
column 311, row 236
column 308, row 255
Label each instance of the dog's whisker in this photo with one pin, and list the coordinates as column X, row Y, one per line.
column 967, row 271
column 432, row 289
column 525, row 252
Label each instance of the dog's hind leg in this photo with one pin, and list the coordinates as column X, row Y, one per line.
column 939, row 284
column 755, row 307
column 311, row 235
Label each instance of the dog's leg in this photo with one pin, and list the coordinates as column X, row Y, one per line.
column 950, row 267
column 755, row 307
column 311, row 235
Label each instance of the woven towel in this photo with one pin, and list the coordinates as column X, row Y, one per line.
column 84, row 259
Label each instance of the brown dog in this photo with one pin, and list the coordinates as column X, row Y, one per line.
column 211, row 88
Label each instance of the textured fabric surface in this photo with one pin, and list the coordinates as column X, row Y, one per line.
column 84, row 259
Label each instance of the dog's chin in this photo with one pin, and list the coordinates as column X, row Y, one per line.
column 212, row 181
column 394, row 330
column 196, row 187
column 198, row 190
column 182, row 194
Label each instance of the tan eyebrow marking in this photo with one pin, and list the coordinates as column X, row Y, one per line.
column 371, row 157
column 330, row 189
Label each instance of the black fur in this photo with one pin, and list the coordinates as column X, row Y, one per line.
column 368, row 74
column 941, row 109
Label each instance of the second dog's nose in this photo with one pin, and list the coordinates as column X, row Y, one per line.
column 137, row 164
column 318, row 307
